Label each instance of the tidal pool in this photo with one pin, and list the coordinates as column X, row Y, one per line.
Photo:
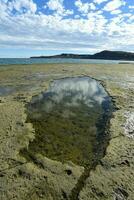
column 69, row 121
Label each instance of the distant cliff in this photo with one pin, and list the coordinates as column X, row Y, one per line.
column 106, row 55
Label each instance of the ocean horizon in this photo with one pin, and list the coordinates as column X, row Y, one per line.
column 17, row 61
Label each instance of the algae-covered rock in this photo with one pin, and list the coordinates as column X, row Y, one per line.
column 47, row 179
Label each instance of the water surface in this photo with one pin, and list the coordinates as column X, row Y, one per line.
column 6, row 90
column 69, row 121
column 10, row 61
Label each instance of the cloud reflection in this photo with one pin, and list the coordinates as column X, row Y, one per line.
column 72, row 92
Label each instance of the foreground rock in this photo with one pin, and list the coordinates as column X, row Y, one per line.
column 113, row 178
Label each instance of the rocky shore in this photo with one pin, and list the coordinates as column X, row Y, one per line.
column 20, row 179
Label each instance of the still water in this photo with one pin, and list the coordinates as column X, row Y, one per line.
column 6, row 90
column 69, row 121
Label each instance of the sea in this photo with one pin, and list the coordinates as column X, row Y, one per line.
column 27, row 61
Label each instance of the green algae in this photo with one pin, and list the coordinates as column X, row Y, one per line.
column 64, row 139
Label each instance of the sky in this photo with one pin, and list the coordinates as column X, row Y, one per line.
column 48, row 27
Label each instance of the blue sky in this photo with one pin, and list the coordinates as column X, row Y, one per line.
column 46, row 27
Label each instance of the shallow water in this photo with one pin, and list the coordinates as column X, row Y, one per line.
column 69, row 120
column 6, row 90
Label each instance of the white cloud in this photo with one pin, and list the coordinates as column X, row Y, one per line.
column 114, row 4
column 77, row 16
column 116, row 12
column 4, row 1
column 99, row 1
column 84, row 7
column 22, row 5
column 91, row 33
column 92, row 6
column 3, row 9
column 57, row 5
column 131, row 7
